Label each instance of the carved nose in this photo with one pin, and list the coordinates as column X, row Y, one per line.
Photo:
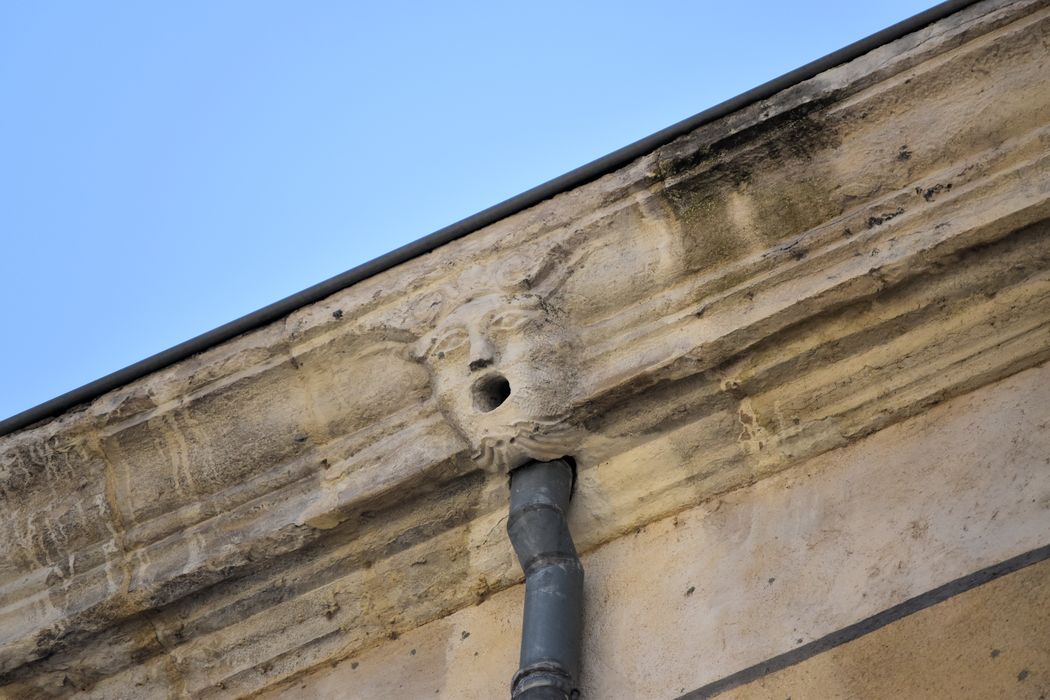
column 482, row 354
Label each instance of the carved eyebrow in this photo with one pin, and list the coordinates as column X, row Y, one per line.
column 530, row 307
column 520, row 312
column 440, row 336
column 512, row 316
column 457, row 331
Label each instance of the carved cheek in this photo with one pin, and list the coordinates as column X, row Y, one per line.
column 543, row 374
column 526, row 357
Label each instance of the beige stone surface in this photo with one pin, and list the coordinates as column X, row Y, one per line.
column 693, row 598
column 782, row 282
column 990, row 642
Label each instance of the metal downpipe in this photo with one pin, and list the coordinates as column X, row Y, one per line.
column 553, row 619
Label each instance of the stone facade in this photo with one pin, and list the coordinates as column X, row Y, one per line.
column 799, row 356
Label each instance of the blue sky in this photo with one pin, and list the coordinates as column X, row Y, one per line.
column 168, row 167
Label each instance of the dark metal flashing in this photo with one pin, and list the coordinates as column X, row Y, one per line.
column 871, row 624
column 571, row 180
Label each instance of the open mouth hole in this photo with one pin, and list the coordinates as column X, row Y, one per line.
column 490, row 392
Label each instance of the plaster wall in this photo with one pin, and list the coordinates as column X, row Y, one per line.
column 990, row 642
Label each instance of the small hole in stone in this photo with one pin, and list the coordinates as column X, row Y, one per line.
column 490, row 392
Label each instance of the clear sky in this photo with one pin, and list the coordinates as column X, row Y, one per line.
column 168, row 167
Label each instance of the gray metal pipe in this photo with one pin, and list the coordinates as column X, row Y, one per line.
column 553, row 619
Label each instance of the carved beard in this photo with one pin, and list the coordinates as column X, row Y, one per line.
column 525, row 440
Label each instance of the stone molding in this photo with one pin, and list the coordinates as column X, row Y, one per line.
column 774, row 285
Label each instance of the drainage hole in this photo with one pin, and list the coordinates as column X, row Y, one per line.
column 490, row 392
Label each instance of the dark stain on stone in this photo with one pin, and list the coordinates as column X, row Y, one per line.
column 1022, row 675
column 689, row 591
column 338, row 313
column 930, row 193
column 740, row 162
column 734, row 389
column 394, row 635
column 412, row 653
column 995, row 653
column 799, row 131
column 475, row 365
column 874, row 221
column 354, row 664
column 904, row 153
column 771, row 579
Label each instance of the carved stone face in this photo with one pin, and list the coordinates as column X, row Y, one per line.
column 503, row 375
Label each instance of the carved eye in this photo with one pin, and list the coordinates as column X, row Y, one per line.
column 451, row 341
column 511, row 320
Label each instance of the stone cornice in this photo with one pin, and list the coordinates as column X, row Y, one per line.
column 772, row 286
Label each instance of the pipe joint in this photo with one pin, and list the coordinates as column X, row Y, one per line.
column 543, row 680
